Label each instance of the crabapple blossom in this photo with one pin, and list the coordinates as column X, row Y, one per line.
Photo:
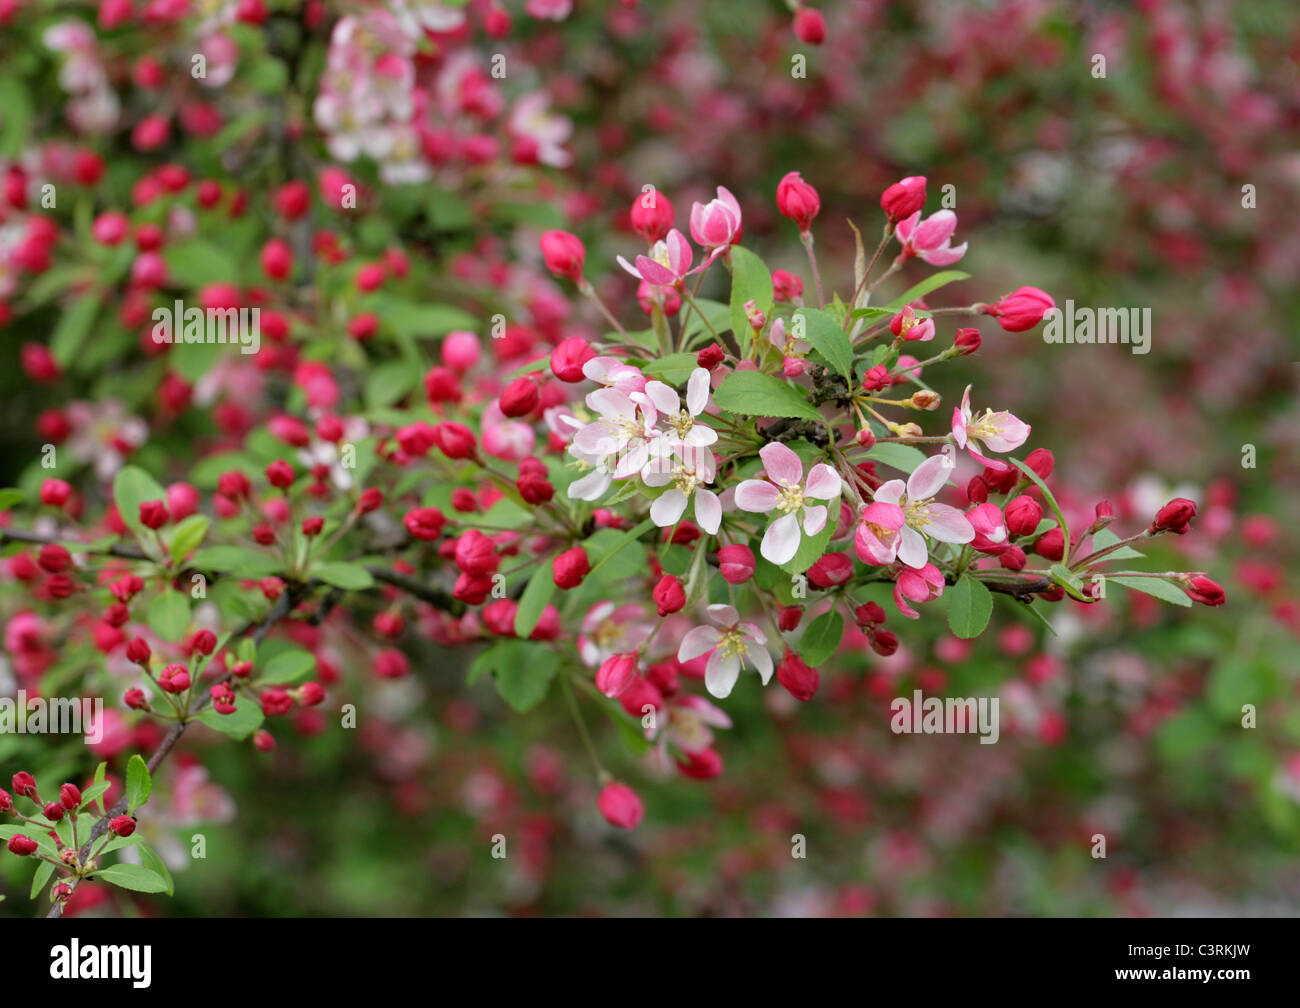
column 729, row 643
column 999, row 432
column 784, row 490
column 930, row 239
column 923, row 515
column 716, row 225
column 668, row 263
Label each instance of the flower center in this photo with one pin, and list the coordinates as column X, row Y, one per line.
column 789, row 498
column 682, row 423
column 733, row 643
column 917, row 513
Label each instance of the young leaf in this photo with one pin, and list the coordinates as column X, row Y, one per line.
column 153, row 861
column 904, row 458
column 352, row 577
column 243, row 722
column 168, row 614
column 137, row 878
column 821, row 330
column 753, row 394
column 133, row 486
column 751, row 280
column 970, row 604
column 541, row 586
column 43, row 873
column 187, row 535
column 138, row 784
column 286, row 667
column 927, row 286
column 822, row 637
column 1156, row 587
column 673, row 369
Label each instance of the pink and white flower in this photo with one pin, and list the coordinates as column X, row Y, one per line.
column 732, row 642
column 609, row 630
column 785, row 491
column 879, row 533
column 625, row 429
column 999, row 432
column 668, row 263
column 922, row 515
column 930, row 238
column 613, row 373
column 690, row 470
column 682, row 428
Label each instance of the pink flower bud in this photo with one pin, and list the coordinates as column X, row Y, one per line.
column 967, row 340
column 123, row 825
column 1022, row 309
column 795, row 198
column 619, row 805
column 669, row 596
column 563, row 253
column 800, row 681
column 810, row 27
column 616, row 674
column 736, row 563
column 652, row 222
column 904, row 198
column 570, row 567
column 24, row 845
column 1051, row 545
column 153, row 514
column 1023, row 515
column 1205, row 591
column 520, row 397
column 1175, row 516
column 568, row 357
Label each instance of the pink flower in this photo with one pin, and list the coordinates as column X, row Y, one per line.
column 616, row 674
column 999, row 432
column 922, row 515
column 689, row 470
column 908, row 325
column 930, row 238
column 668, row 263
column 1022, row 309
column 877, row 538
column 917, row 585
column 785, row 491
column 991, row 535
column 625, row 430
column 682, row 428
column 609, row 630
column 613, row 373
column 717, row 224
column 731, row 642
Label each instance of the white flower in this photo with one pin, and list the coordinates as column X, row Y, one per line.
column 787, row 493
column 921, row 514
column 731, row 642
column 689, row 469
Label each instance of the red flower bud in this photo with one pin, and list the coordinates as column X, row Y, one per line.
column 831, row 570
column 55, row 492
column 736, row 563
column 1022, row 309
column 620, row 806
column 570, row 567
column 796, row 199
column 904, row 198
column 1205, row 591
column 1175, row 516
column 789, row 618
column 203, row 642
column 153, row 514
column 868, row 614
column 1012, row 558
column 54, row 811
column 653, row 221
column 275, row 701
column 371, row 499
column 54, row 558
column 787, row 286
column 1051, row 544
column 1023, row 515
column 702, row 765
column 968, row 340
column 310, row 694
column 810, row 27
column 669, row 595
column 424, row 523
column 710, row 357
column 799, row 680
column 977, row 491
column 616, row 674
column 24, row 784
column 70, row 795
column 563, row 253
column 280, row 474
column 455, row 440
column 520, row 397
column 1041, row 461
column 24, row 845
column 568, row 357
column 884, row 643
column 312, row 526
column 123, row 825
column 134, row 698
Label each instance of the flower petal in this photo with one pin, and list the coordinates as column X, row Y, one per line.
column 814, row 519
column 698, row 641
column 721, row 673
column 949, row 525
column 780, row 463
column 708, row 511
column 664, row 398
column 823, row 482
column 697, row 391
column 891, row 492
column 723, row 615
column 781, row 540
column 758, row 496
column 911, row 548
column 928, row 478
column 667, row 510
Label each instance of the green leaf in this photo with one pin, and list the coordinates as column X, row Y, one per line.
column 753, row 394
column 811, row 548
column 1050, row 498
column 904, row 458
column 133, row 486
column 1157, row 587
column 821, row 330
column 522, row 671
column 137, row 878
column 248, row 563
column 1067, row 579
column 239, row 725
column 606, row 553
column 716, row 314
column 350, row 576
column 1104, row 538
column 541, row 364
column 9, row 497
column 188, row 534
column 822, row 637
column 541, row 586
column 43, row 872
column 197, row 262
column 926, row 286
column 410, row 318
column 139, row 784
column 970, row 604
column 286, row 667
column 751, row 280
column 674, row 369
column 169, row 615
column 16, row 120
column 93, row 792
column 388, row 383
column 153, row 861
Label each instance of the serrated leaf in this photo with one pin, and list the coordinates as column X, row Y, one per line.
column 673, row 369
column 139, row 784
column 43, row 872
column 828, row 339
column 927, row 286
column 522, row 671
column 750, row 393
column 541, row 586
column 904, row 458
column 970, row 604
column 1105, row 538
column 349, row 576
column 822, row 637
column 137, row 878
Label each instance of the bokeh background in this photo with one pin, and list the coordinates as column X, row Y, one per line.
column 1120, row 191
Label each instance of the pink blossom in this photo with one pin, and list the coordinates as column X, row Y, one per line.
column 930, row 238
column 784, row 490
column 877, row 537
column 717, row 224
column 921, row 585
column 731, row 642
column 668, row 263
column 923, row 515
column 999, row 432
